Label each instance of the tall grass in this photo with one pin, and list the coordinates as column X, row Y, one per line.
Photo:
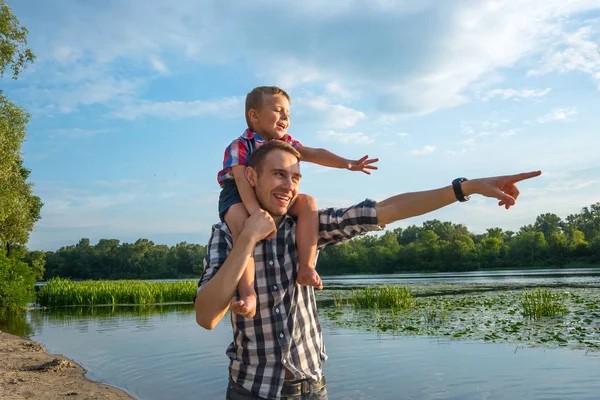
column 63, row 292
column 379, row 297
column 539, row 303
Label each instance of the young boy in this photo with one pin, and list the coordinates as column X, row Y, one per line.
column 268, row 118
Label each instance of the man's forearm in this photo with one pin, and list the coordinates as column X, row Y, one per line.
column 408, row 205
column 214, row 297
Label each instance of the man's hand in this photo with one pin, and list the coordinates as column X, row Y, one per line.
column 503, row 188
column 259, row 226
column 363, row 165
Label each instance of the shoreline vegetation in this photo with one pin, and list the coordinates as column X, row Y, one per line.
column 27, row 371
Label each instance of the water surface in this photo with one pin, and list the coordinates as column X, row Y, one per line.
column 160, row 353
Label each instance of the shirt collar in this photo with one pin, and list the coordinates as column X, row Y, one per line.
column 248, row 134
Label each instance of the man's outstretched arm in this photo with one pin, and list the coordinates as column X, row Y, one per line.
column 408, row 205
column 213, row 298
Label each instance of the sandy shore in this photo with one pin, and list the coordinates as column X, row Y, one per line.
column 28, row 372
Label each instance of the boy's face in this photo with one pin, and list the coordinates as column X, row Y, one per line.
column 273, row 119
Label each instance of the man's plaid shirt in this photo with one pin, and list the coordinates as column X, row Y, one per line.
column 285, row 331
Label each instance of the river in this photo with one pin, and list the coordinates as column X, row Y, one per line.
column 160, row 352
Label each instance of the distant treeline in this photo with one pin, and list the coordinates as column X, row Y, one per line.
column 443, row 246
column 434, row 246
column 110, row 259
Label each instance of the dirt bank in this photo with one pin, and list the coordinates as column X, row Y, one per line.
column 28, row 372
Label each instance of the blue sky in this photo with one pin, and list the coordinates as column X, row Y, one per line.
column 133, row 103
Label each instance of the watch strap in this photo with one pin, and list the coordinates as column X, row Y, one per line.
column 456, row 185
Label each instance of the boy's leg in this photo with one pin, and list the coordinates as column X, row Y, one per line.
column 235, row 217
column 307, row 234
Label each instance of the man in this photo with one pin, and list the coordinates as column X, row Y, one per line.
column 279, row 353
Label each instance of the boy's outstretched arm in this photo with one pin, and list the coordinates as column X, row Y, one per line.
column 328, row 159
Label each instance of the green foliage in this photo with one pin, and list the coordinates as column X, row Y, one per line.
column 379, row 297
column 539, row 303
column 64, row 292
column 110, row 259
column 19, row 208
column 443, row 246
column 13, row 39
column 17, row 281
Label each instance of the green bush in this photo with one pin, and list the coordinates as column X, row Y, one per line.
column 17, row 282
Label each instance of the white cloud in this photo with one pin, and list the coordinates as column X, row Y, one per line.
column 320, row 110
column 460, row 45
column 355, row 138
column 336, row 89
column 158, row 64
column 402, row 135
column 558, row 114
column 515, row 94
column 227, row 107
column 577, row 51
column 427, row 149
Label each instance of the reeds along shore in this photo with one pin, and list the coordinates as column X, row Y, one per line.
column 63, row 292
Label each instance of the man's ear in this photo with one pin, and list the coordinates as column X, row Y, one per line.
column 251, row 176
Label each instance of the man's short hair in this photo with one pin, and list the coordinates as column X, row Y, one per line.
column 258, row 156
column 256, row 98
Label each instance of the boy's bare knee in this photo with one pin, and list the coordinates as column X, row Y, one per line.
column 235, row 217
column 307, row 201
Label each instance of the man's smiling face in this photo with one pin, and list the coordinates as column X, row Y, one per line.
column 276, row 182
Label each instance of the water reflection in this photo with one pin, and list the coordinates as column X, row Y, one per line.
column 15, row 324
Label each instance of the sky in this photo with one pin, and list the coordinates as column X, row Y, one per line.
column 133, row 102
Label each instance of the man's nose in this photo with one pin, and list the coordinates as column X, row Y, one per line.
column 288, row 183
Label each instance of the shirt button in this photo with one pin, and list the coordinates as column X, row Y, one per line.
column 271, row 262
column 277, row 310
column 284, row 361
column 274, row 287
column 281, row 335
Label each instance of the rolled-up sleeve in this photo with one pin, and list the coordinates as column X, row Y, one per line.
column 218, row 249
column 337, row 225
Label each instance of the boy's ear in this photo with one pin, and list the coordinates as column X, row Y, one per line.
column 253, row 115
column 251, row 176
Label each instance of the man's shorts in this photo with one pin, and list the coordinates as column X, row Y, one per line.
column 229, row 196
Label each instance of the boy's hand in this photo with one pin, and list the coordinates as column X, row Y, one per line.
column 363, row 165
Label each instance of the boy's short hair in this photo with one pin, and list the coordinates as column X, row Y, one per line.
column 258, row 156
column 255, row 99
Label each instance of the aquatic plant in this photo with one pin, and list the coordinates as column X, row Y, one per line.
column 63, row 292
column 382, row 297
column 539, row 303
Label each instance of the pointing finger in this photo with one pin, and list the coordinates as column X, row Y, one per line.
column 525, row 175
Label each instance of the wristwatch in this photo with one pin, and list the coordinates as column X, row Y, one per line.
column 456, row 185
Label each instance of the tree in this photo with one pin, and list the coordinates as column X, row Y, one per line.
column 13, row 41
column 547, row 224
column 19, row 208
column 17, row 281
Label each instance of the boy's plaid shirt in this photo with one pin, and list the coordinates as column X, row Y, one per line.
column 285, row 331
column 238, row 152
